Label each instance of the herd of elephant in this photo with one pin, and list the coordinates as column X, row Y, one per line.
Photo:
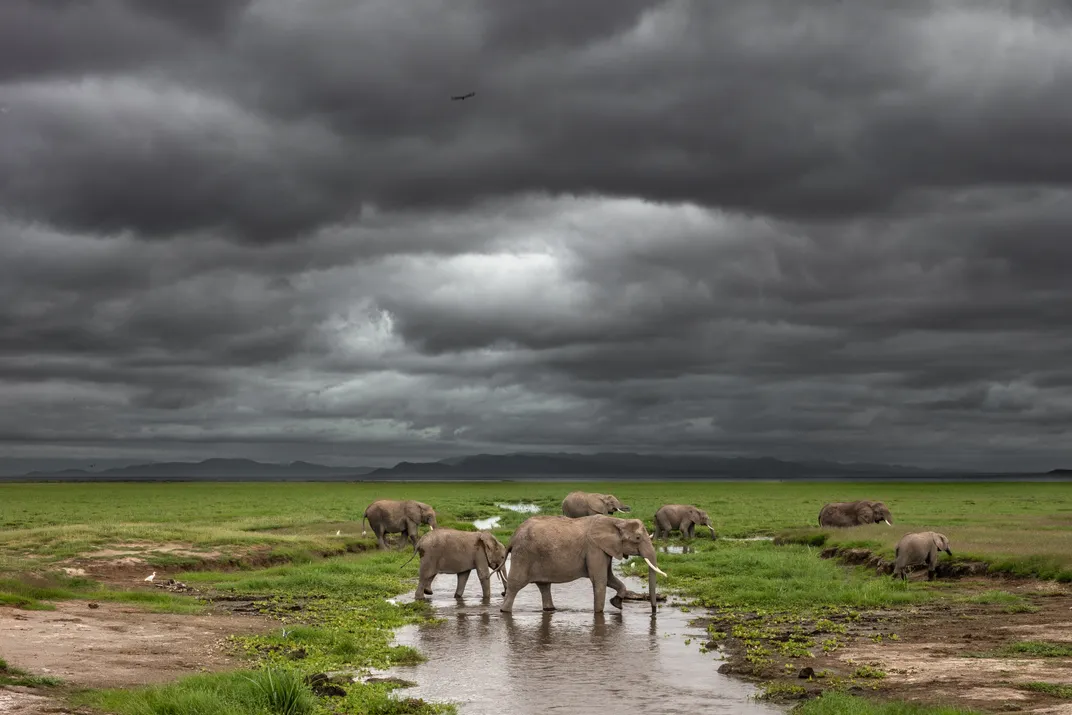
column 583, row 542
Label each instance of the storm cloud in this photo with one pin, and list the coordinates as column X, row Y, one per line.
column 261, row 228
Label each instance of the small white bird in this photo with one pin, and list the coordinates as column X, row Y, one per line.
column 338, row 533
column 151, row 576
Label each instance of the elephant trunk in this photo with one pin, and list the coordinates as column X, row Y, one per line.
column 651, row 588
column 624, row 507
column 432, row 522
column 713, row 536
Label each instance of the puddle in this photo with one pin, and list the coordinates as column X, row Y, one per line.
column 674, row 549
column 751, row 538
column 567, row 661
column 490, row 523
column 520, row 507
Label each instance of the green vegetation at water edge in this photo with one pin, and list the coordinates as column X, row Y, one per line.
column 834, row 703
column 18, row 677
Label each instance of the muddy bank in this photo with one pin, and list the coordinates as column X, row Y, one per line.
column 947, row 652
column 116, row 645
column 569, row 660
column 947, row 568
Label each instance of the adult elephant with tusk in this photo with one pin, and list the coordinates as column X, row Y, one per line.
column 588, row 503
column 559, row 549
column 683, row 517
column 854, row 513
column 391, row 516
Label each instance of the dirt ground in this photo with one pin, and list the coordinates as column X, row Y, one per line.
column 943, row 653
column 113, row 644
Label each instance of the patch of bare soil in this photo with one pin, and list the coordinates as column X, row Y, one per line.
column 112, row 645
column 937, row 653
column 115, row 645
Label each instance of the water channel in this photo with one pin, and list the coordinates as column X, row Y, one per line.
column 567, row 661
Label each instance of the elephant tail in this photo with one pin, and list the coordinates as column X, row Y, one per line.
column 364, row 518
column 411, row 555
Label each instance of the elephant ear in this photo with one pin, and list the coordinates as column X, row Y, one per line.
column 865, row 513
column 940, row 542
column 596, row 503
column 608, row 534
column 489, row 543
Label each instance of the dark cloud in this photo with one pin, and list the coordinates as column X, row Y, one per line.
column 832, row 230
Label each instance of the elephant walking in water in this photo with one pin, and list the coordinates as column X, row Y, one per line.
column 917, row 549
column 559, row 549
column 683, row 517
column 459, row 552
column 391, row 516
column 588, row 503
column 854, row 513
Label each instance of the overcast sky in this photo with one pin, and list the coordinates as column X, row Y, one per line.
column 830, row 229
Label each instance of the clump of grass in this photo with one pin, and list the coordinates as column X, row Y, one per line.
column 34, row 593
column 17, row 676
column 257, row 692
column 1056, row 690
column 1038, row 649
column 837, row 703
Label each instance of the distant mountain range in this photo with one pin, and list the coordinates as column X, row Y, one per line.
column 515, row 466
column 628, row 464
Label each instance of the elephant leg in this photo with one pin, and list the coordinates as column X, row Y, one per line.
column 380, row 532
column 617, row 584
column 517, row 580
column 484, row 574
column 545, row 595
column 463, row 578
column 426, row 575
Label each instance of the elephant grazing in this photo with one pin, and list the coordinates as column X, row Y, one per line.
column 391, row 516
column 588, row 503
column 559, row 549
column 854, row 513
column 919, row 548
column 683, row 517
column 459, row 552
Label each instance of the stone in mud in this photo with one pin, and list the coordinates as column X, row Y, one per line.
column 829, row 552
column 634, row 596
column 725, row 669
column 806, row 672
column 400, row 682
column 93, row 605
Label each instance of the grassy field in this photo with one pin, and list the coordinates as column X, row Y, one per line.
column 274, row 538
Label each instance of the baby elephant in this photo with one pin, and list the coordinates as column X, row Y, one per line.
column 683, row 517
column 459, row 552
column 919, row 548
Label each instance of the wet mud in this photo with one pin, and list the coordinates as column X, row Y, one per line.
column 567, row 661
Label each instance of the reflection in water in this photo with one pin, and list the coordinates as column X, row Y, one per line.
column 675, row 549
column 490, row 523
column 520, row 507
column 569, row 661
column 751, row 538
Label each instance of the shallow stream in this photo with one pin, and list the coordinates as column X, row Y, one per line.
column 567, row 661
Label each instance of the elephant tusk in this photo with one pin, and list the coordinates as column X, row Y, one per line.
column 653, row 567
column 651, row 535
column 887, row 522
column 431, row 528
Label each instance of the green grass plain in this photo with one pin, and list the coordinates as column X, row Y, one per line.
column 279, row 538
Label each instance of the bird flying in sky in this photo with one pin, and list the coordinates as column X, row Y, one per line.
column 456, row 97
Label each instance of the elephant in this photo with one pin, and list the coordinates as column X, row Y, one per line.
column 588, row 503
column 683, row 517
column 921, row 547
column 391, row 516
column 559, row 549
column 459, row 552
column 854, row 513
